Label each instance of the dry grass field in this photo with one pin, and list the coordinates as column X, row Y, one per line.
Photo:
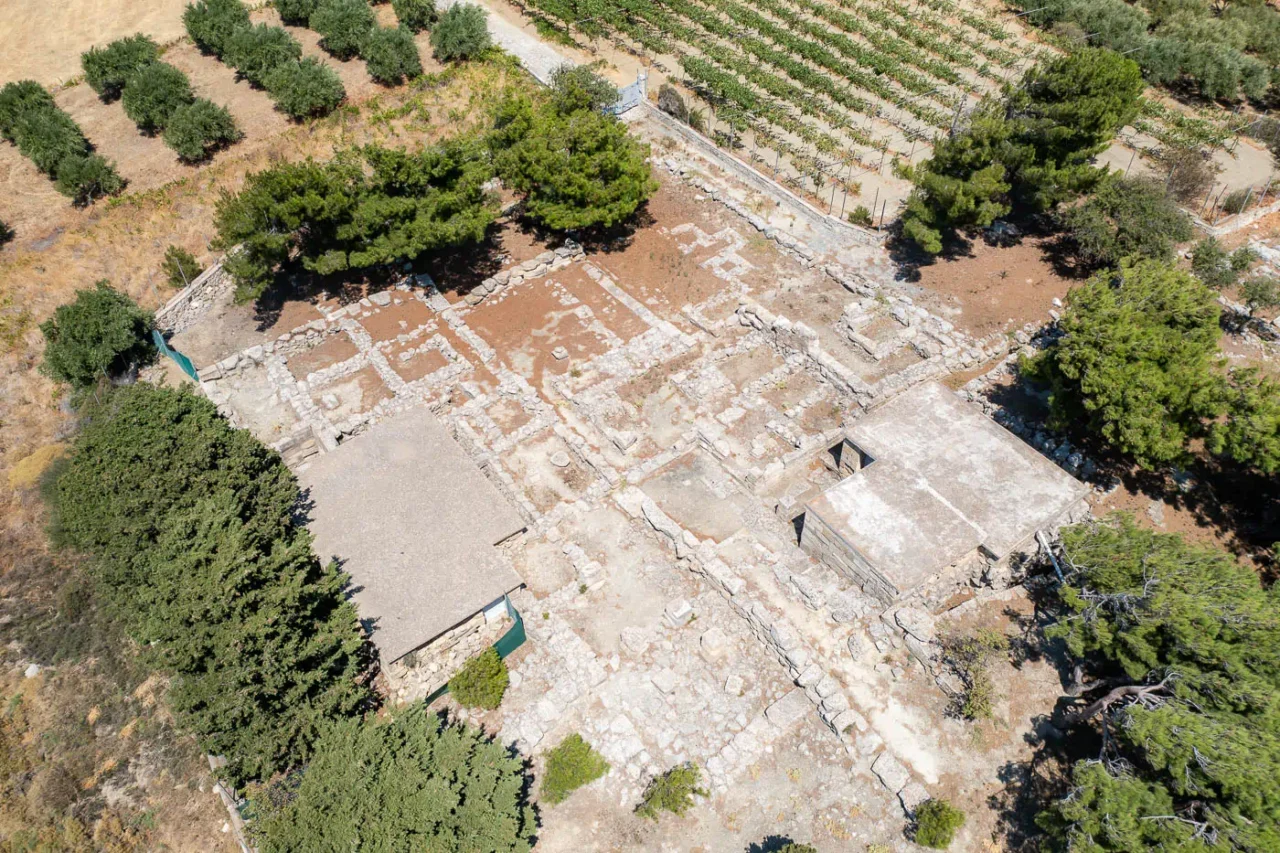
column 43, row 41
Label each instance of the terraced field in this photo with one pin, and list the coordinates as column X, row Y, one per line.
column 822, row 92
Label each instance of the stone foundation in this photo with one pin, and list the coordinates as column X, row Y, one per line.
column 425, row 670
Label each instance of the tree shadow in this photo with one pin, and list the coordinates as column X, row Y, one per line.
column 770, row 844
column 909, row 258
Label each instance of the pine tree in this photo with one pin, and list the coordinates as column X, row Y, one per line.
column 400, row 785
column 1184, row 644
column 577, row 169
column 147, row 451
column 1137, row 361
column 263, row 645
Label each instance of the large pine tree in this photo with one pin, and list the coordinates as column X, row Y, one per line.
column 1183, row 646
column 408, row 784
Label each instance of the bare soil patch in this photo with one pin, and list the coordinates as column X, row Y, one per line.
column 994, row 289
column 333, row 349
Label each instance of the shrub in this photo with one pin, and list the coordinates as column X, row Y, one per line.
column 210, row 23
column 180, row 266
column 101, row 334
column 391, row 54
column 1236, row 201
column 409, row 783
column 1258, row 293
column 342, row 25
column 1127, row 216
column 672, row 103
column 46, row 135
column 793, row 847
column 153, row 94
column 673, row 792
column 969, row 656
column 571, row 765
column 861, row 216
column 305, row 87
column 254, row 51
column 481, row 682
column 1217, row 267
column 199, row 128
column 18, row 98
column 296, row 12
column 462, row 32
column 417, row 15
column 86, row 179
column 936, row 822
column 6, row 233
column 579, row 87
column 106, row 69
column 1190, row 173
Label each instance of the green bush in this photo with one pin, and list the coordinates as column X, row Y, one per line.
column 579, row 87
column 861, row 216
column 462, row 32
column 254, row 51
column 49, row 138
column 572, row 764
column 199, row 128
column 417, row 15
column 481, row 682
column 1124, row 217
column 793, row 847
column 296, row 12
column 391, row 54
column 99, row 335
column 84, row 179
column 408, row 783
column 673, row 792
column 19, row 98
column 210, row 23
column 305, row 88
column 969, row 656
column 936, row 822
column 107, row 69
column 1236, row 201
column 180, row 266
column 1217, row 267
column 153, row 94
column 52, row 140
column 343, row 25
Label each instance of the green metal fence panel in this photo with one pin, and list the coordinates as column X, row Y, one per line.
column 181, row 360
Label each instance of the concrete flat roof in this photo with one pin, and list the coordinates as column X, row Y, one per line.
column 946, row 479
column 414, row 522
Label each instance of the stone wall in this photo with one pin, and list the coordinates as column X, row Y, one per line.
column 183, row 310
column 425, row 670
column 822, row 542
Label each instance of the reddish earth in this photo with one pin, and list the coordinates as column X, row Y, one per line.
column 418, row 365
column 994, row 289
column 335, row 348
column 395, row 320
